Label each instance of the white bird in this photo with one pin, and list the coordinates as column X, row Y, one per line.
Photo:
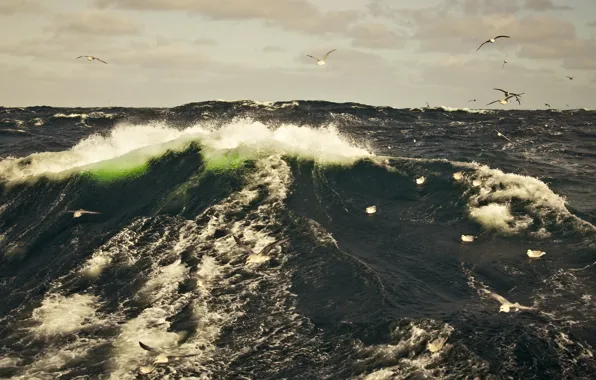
column 436, row 344
column 535, row 254
column 507, row 93
column 92, row 58
column 506, row 306
column 321, row 62
column 420, row 181
column 491, row 40
column 502, row 101
column 371, row 209
column 504, row 61
column 476, row 183
column 458, row 175
column 467, row 238
column 503, row 136
column 80, row 212
column 160, row 359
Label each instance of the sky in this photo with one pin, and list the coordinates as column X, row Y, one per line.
column 398, row 53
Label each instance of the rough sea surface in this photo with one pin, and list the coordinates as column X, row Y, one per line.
column 350, row 295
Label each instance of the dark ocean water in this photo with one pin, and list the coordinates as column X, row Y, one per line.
column 351, row 295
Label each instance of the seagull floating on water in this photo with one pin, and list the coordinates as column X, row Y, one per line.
column 535, row 254
column 92, row 58
column 458, row 175
column 468, row 238
column 80, row 212
column 420, row 180
column 436, row 344
column 321, row 62
column 492, row 41
column 160, row 359
column 371, row 209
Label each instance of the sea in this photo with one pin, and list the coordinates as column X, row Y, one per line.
column 394, row 294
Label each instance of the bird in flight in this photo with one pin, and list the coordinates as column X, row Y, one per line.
column 570, row 78
column 504, row 62
column 471, row 100
column 492, row 41
column 321, row 62
column 79, row 213
column 503, row 136
column 506, row 306
column 502, row 101
column 160, row 359
column 92, row 58
column 546, row 104
column 507, row 94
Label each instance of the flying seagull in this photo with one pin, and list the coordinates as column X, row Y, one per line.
column 80, row 212
column 509, row 94
column 570, row 78
column 502, row 101
column 504, row 61
column 160, row 359
column 263, row 251
column 471, row 100
column 492, row 41
column 503, row 136
column 92, row 58
column 427, row 105
column 546, row 104
column 506, row 306
column 321, row 62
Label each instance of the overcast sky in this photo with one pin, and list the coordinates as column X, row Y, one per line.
column 389, row 52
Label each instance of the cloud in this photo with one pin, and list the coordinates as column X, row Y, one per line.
column 272, row 49
column 10, row 7
column 97, row 23
column 460, row 26
column 544, row 5
column 375, row 35
column 299, row 16
column 294, row 15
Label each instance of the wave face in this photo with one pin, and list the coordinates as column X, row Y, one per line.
column 349, row 295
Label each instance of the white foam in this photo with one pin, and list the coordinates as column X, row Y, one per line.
column 490, row 206
column 323, row 144
column 464, row 109
column 409, row 357
column 117, row 246
column 494, row 216
column 7, row 361
column 63, row 315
